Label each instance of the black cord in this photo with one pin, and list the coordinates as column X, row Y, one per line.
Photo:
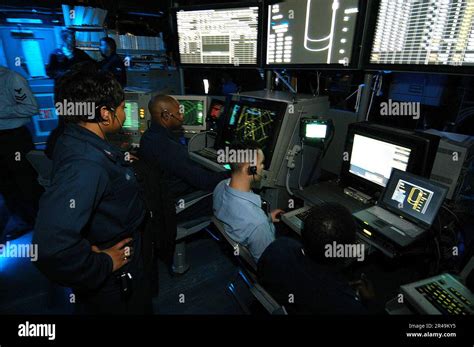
column 326, row 146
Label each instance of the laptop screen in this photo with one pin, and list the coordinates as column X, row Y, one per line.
column 416, row 198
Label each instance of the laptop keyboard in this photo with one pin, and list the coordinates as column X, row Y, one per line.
column 392, row 219
column 446, row 301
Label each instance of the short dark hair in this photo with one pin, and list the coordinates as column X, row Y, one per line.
column 248, row 145
column 84, row 85
column 66, row 32
column 326, row 223
column 110, row 42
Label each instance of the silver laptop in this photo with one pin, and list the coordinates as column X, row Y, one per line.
column 405, row 210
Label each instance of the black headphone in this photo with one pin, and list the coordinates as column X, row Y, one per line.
column 98, row 117
column 252, row 170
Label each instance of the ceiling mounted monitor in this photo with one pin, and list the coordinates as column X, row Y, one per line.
column 221, row 35
column 313, row 33
column 422, row 35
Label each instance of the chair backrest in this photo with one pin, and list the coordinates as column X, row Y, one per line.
column 267, row 301
column 243, row 251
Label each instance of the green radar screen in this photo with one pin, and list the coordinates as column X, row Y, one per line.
column 255, row 124
column 193, row 111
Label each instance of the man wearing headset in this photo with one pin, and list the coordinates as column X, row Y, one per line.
column 182, row 175
column 88, row 228
column 239, row 208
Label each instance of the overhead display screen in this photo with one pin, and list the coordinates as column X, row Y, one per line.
column 226, row 36
column 424, row 32
column 311, row 32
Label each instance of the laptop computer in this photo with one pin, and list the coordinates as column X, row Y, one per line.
column 405, row 210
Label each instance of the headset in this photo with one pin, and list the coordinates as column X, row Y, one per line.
column 98, row 117
column 252, row 170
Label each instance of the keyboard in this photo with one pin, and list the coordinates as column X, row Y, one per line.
column 208, row 153
column 302, row 215
column 441, row 294
column 447, row 301
column 387, row 218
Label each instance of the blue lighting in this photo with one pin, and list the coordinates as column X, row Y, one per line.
column 25, row 20
column 11, row 263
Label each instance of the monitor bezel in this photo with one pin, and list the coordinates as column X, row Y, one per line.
column 260, row 36
column 357, row 45
column 372, row 12
column 399, row 174
column 194, row 129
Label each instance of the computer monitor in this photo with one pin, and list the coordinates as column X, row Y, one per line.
column 194, row 109
column 383, row 158
column 372, row 151
column 254, row 119
column 219, row 35
column 313, row 32
column 413, row 196
column 421, row 35
column 132, row 121
column 314, row 130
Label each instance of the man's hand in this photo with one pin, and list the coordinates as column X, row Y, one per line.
column 275, row 215
column 119, row 253
column 364, row 288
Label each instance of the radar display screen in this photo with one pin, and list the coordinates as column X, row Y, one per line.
column 193, row 111
column 256, row 121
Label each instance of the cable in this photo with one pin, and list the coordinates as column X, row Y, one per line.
column 318, row 75
column 375, row 90
column 452, row 213
column 302, row 164
column 326, row 146
column 287, row 183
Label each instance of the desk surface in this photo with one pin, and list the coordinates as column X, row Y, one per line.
column 329, row 192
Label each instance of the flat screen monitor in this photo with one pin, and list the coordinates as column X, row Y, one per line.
column 414, row 197
column 373, row 151
column 374, row 159
column 253, row 119
column 219, row 35
column 194, row 109
column 132, row 121
column 412, row 34
column 312, row 32
column 313, row 130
